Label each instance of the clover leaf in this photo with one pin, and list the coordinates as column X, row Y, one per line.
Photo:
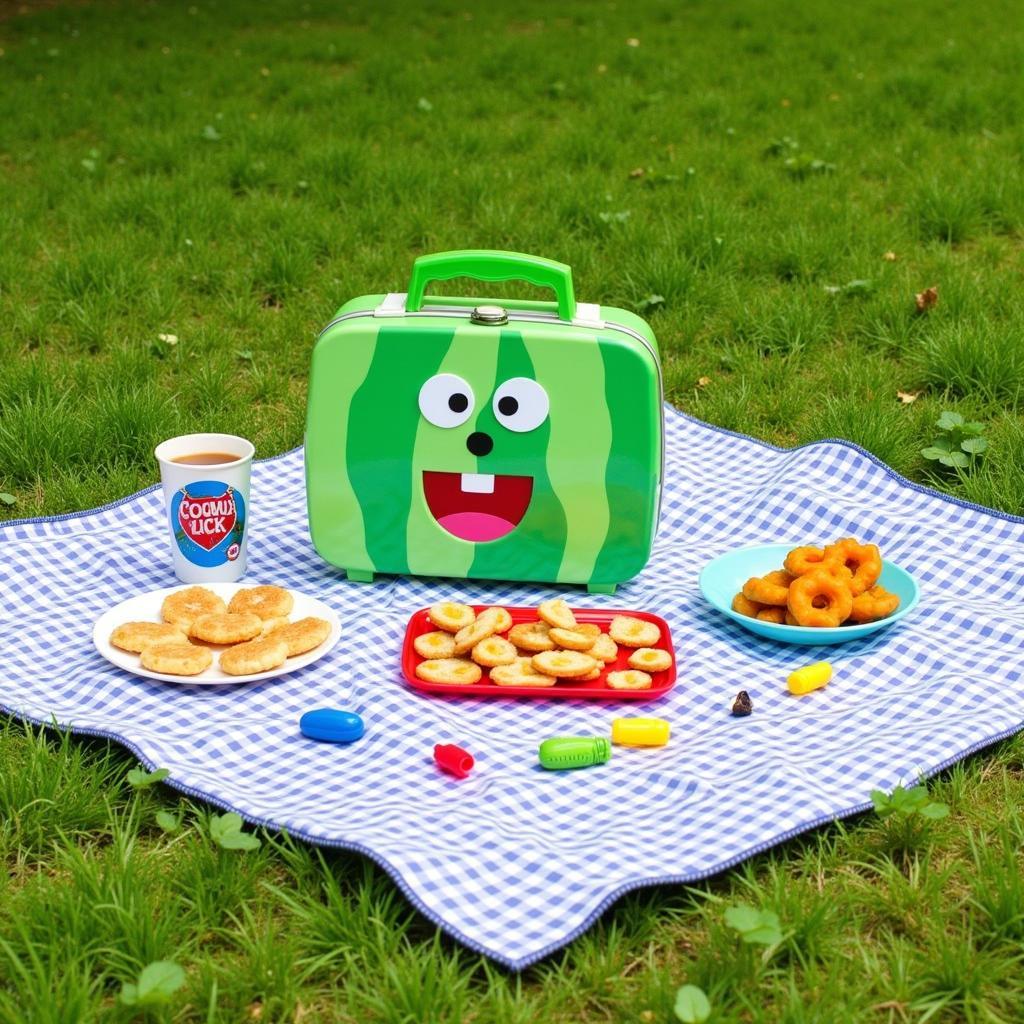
column 906, row 802
column 154, row 986
column 755, row 926
column 691, row 1005
column 140, row 778
column 958, row 444
column 167, row 821
column 226, row 832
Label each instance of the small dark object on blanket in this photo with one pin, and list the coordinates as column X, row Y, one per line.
column 741, row 706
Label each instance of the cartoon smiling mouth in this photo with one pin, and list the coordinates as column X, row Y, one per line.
column 477, row 506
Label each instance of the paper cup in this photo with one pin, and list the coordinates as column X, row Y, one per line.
column 207, row 506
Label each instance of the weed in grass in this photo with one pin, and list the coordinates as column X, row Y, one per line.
column 999, row 481
column 997, row 885
column 880, row 425
column 52, row 787
column 958, row 444
column 959, row 980
column 972, row 360
column 691, row 1005
column 946, row 211
column 155, row 986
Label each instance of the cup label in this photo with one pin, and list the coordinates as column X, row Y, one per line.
column 208, row 520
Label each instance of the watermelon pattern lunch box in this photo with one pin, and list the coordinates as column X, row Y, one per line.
column 485, row 438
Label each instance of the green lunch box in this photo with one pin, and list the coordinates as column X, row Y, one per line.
column 485, row 438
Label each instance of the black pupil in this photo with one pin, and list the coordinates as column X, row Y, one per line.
column 458, row 402
column 508, row 406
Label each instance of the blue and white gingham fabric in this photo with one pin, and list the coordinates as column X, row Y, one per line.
column 515, row 861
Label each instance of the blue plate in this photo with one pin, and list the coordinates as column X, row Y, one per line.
column 722, row 578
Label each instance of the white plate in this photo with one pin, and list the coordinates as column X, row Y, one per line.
column 146, row 608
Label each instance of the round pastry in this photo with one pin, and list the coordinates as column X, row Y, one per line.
column 136, row 636
column 742, row 604
column 256, row 656
column 268, row 602
column 183, row 607
column 874, row 604
column 449, row 670
column 631, row 632
column 771, row 589
column 176, row 659
column 564, row 664
column 303, row 635
column 863, row 560
column 226, row 628
column 820, row 598
column 437, row 644
column 631, row 679
column 650, row 659
column 451, row 616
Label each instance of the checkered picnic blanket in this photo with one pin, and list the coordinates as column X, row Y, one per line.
column 515, row 861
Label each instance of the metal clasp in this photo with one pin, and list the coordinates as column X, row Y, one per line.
column 491, row 316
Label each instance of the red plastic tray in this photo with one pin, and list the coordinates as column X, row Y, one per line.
column 597, row 689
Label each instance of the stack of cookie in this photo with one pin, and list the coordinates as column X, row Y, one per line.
column 554, row 648
column 253, row 627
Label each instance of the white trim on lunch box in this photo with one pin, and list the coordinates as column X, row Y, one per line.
column 588, row 315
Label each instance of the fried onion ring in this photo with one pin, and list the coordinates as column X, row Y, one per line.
column 772, row 588
column 819, row 598
column 874, row 604
column 806, row 559
column 742, row 604
column 863, row 560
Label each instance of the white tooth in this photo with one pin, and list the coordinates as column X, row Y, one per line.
column 478, row 483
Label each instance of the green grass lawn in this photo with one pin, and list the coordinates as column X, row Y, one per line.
column 226, row 175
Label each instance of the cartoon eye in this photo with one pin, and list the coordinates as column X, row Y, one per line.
column 446, row 400
column 521, row 404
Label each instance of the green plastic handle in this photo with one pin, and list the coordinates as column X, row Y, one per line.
column 492, row 265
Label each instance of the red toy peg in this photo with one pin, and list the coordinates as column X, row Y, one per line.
column 453, row 759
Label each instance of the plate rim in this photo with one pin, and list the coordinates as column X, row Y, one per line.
column 198, row 680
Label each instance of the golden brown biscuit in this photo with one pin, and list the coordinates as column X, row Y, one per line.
column 575, row 639
column 520, row 673
column 451, row 616
column 483, row 626
column 555, row 612
column 183, row 607
column 449, row 670
column 504, row 623
column 630, row 632
column 256, row 656
column 629, row 680
column 226, row 628
column 267, row 602
column 532, row 636
column 176, row 659
column 650, row 659
column 564, row 664
column 136, row 636
column 436, row 644
column 494, row 651
column 271, row 624
column 604, row 648
column 303, row 635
